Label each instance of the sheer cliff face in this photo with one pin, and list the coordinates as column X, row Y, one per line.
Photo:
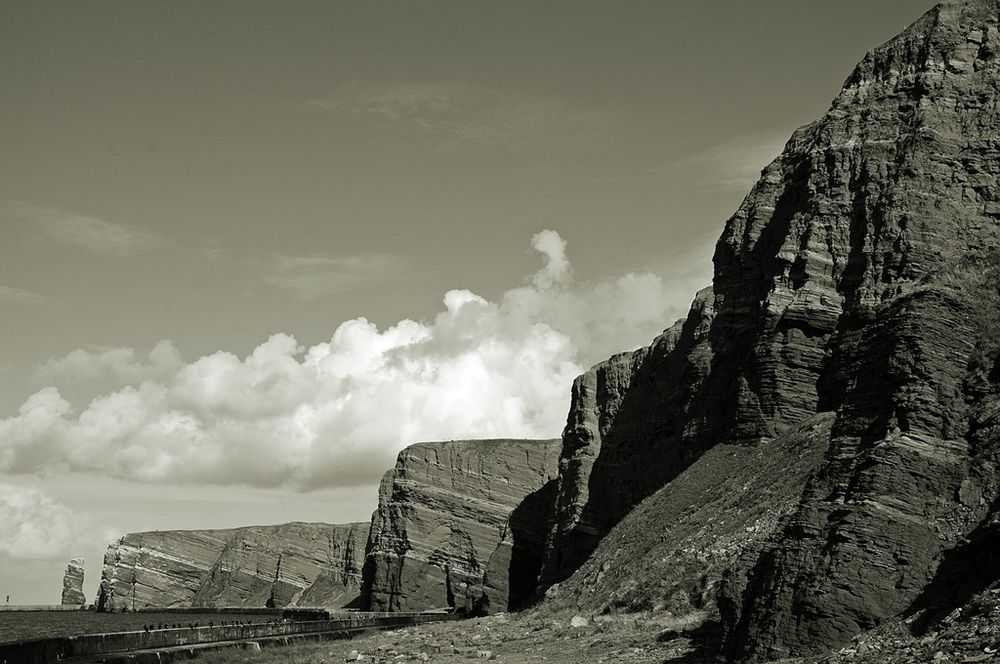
column 901, row 175
column 304, row 564
column 858, row 280
column 626, row 435
column 460, row 523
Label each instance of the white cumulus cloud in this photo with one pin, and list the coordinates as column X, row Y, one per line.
column 118, row 365
column 335, row 413
column 35, row 527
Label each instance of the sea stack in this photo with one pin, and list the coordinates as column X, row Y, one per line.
column 72, row 593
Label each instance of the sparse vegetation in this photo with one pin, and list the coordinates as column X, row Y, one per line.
column 526, row 638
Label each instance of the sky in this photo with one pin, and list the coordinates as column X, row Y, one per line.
column 250, row 250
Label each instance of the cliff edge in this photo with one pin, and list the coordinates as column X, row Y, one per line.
column 852, row 329
column 460, row 524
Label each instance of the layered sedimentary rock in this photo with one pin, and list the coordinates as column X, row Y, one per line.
column 674, row 550
column 72, row 592
column 857, row 282
column 461, row 524
column 303, row 564
column 632, row 427
column 904, row 169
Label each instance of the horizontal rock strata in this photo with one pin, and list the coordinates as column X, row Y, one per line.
column 633, row 425
column 676, row 549
column 304, row 564
column 461, row 524
column 72, row 591
column 858, row 281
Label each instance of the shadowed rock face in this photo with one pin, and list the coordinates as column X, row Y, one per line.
column 674, row 549
column 72, row 592
column 857, row 280
column 460, row 523
column 904, row 170
column 626, row 436
column 303, row 564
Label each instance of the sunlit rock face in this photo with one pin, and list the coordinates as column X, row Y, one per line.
column 72, row 592
column 857, row 282
column 303, row 564
column 460, row 524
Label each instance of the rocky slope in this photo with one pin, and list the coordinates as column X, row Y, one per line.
column 853, row 320
column 672, row 552
column 72, row 592
column 633, row 425
column 304, row 564
column 460, row 523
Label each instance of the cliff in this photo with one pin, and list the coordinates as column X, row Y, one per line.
column 460, row 523
column 673, row 550
column 304, row 564
column 851, row 330
column 627, row 435
column 909, row 152
column 72, row 592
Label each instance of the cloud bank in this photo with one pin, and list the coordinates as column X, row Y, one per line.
column 119, row 366
column 336, row 413
column 35, row 527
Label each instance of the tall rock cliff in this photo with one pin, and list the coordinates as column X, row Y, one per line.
column 462, row 524
column 903, row 169
column 857, row 283
column 72, row 592
column 635, row 422
column 304, row 564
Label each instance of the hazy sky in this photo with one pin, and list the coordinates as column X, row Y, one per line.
column 252, row 249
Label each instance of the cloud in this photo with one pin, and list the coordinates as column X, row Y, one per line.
column 119, row 366
column 312, row 277
column 20, row 296
column 35, row 527
column 465, row 114
column 335, row 414
column 88, row 233
column 557, row 269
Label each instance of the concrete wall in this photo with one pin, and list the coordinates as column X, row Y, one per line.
column 40, row 607
column 46, row 651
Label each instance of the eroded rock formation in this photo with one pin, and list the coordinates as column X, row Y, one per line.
column 303, row 564
column 627, row 434
column 72, row 592
column 901, row 174
column 857, row 283
column 674, row 550
column 460, row 523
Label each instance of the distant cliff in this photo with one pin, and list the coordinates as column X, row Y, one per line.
column 460, row 523
column 306, row 564
column 847, row 353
